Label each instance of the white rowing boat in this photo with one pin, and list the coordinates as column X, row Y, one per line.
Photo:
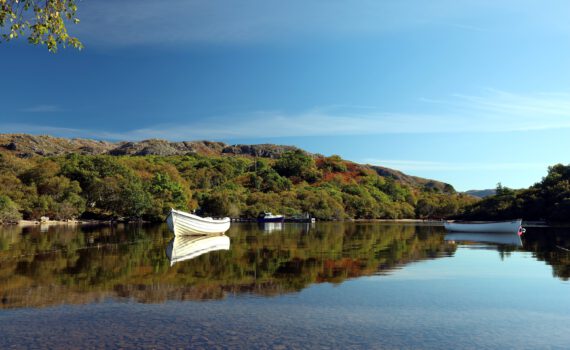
column 189, row 247
column 182, row 224
column 512, row 226
column 495, row 238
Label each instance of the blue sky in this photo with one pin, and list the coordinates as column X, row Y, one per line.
column 468, row 92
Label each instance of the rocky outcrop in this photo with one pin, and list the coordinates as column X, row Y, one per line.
column 165, row 148
column 26, row 146
column 264, row 150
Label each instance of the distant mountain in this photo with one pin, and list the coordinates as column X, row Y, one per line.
column 27, row 146
column 481, row 193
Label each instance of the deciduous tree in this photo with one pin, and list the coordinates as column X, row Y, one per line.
column 43, row 22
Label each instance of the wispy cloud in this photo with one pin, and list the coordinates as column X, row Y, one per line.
column 494, row 111
column 42, row 109
column 491, row 112
column 130, row 22
column 46, row 129
column 506, row 111
column 420, row 165
column 179, row 22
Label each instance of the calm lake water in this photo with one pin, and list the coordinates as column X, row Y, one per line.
column 329, row 285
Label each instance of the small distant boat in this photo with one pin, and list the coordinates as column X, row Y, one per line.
column 512, row 226
column 269, row 217
column 495, row 238
column 183, row 224
column 189, row 247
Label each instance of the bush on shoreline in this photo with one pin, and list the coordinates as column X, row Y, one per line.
column 8, row 211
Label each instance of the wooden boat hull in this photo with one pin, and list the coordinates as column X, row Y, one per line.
column 485, row 227
column 184, row 224
column 189, row 247
column 495, row 238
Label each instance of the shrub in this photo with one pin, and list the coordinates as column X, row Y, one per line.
column 8, row 211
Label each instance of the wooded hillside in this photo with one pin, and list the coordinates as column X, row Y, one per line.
column 548, row 200
column 63, row 179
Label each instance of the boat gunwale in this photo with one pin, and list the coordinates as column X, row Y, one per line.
column 198, row 218
column 461, row 222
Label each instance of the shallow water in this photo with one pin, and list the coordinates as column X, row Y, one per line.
column 325, row 285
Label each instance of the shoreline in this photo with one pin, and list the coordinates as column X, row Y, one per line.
column 26, row 223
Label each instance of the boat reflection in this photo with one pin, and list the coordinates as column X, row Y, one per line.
column 189, row 247
column 269, row 227
column 511, row 239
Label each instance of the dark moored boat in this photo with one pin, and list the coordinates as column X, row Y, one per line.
column 268, row 217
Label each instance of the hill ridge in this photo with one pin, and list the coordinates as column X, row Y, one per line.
column 27, row 146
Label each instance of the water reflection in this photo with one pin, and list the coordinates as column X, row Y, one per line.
column 183, row 248
column 85, row 264
column 551, row 246
column 270, row 227
column 511, row 239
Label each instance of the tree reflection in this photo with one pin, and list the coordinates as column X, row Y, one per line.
column 87, row 264
column 551, row 246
